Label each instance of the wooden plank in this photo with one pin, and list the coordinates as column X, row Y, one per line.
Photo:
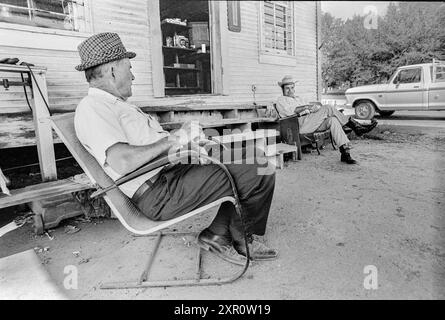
column 45, row 190
column 275, row 153
column 156, row 49
column 279, row 148
column 224, row 47
column 218, row 123
column 17, row 68
column 231, row 114
column 247, row 135
column 318, row 14
column 43, row 130
column 17, row 130
column 215, row 42
column 197, row 107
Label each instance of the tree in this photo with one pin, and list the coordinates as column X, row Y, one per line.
column 409, row 33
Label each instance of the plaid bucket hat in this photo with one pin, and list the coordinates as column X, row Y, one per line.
column 101, row 48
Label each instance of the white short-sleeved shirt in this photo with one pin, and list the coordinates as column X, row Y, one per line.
column 102, row 120
column 286, row 106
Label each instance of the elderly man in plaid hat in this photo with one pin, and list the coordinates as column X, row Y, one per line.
column 319, row 118
column 122, row 138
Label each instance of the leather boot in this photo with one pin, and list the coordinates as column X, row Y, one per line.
column 220, row 246
column 257, row 250
column 346, row 156
column 360, row 129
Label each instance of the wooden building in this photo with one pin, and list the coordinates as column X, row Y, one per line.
column 231, row 53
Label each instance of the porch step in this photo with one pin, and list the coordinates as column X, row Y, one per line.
column 277, row 152
column 279, row 148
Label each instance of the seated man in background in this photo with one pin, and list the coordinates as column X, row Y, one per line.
column 122, row 138
column 319, row 118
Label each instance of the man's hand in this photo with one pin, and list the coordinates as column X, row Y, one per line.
column 314, row 108
column 304, row 112
column 271, row 112
column 190, row 131
column 196, row 147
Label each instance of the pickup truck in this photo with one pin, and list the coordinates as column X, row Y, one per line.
column 413, row 87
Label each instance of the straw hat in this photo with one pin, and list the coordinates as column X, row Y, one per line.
column 287, row 80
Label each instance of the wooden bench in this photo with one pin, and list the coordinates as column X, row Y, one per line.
column 50, row 201
column 279, row 150
column 45, row 190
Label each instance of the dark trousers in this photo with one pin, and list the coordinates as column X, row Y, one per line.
column 185, row 187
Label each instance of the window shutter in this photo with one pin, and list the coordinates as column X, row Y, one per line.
column 234, row 16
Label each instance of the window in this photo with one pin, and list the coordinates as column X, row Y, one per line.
column 408, row 76
column 438, row 73
column 56, row 14
column 277, row 33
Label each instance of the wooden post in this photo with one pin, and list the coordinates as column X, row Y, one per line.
column 43, row 130
column 215, row 46
column 319, row 41
column 157, row 60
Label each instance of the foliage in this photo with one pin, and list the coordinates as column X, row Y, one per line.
column 409, row 33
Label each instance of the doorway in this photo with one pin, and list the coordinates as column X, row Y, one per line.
column 186, row 47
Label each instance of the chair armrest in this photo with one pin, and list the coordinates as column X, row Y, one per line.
column 154, row 164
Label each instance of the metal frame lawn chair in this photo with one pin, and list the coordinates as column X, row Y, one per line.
column 130, row 216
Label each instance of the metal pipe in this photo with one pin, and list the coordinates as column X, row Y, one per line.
column 151, row 258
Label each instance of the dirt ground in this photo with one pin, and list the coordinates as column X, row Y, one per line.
column 328, row 220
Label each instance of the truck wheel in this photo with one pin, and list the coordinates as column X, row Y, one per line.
column 365, row 110
column 385, row 113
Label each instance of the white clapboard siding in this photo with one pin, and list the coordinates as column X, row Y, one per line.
column 130, row 19
column 245, row 69
column 66, row 86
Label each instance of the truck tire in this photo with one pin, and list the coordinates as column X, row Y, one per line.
column 385, row 114
column 364, row 110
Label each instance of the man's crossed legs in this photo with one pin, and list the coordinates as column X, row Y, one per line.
column 328, row 117
column 185, row 187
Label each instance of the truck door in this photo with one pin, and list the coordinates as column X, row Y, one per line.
column 436, row 92
column 406, row 90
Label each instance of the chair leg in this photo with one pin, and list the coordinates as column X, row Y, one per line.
column 144, row 275
column 299, row 151
column 317, row 146
column 143, row 281
column 198, row 265
column 280, row 161
column 294, row 155
column 332, row 142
